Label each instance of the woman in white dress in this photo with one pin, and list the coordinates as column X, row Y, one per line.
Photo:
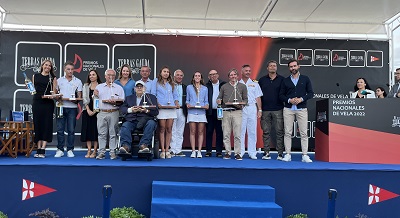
column 197, row 104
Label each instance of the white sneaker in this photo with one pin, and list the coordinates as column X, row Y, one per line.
column 59, row 153
column 266, row 156
column 253, row 157
column 199, row 154
column 287, row 158
column 70, row 153
column 193, row 155
column 305, row 158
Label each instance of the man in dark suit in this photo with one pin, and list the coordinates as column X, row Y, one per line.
column 138, row 117
column 296, row 89
column 178, row 127
column 395, row 91
column 213, row 86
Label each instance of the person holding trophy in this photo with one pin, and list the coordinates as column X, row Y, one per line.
column 89, row 131
column 140, row 111
column 164, row 89
column 71, row 88
column 197, row 104
column 45, row 83
column 110, row 96
column 233, row 97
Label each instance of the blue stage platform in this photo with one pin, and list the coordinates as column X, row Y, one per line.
column 299, row 187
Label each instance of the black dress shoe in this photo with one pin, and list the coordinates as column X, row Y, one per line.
column 208, row 154
column 219, row 154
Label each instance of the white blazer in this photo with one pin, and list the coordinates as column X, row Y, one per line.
column 371, row 95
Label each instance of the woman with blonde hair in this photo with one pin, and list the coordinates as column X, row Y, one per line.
column 125, row 80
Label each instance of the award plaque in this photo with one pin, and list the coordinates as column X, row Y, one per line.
column 52, row 96
column 168, row 107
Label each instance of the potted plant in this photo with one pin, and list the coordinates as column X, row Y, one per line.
column 125, row 212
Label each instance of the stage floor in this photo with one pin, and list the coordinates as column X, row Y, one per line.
column 300, row 187
column 205, row 162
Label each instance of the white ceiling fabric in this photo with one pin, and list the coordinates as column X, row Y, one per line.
column 297, row 17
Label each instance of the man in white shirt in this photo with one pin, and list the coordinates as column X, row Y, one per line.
column 178, row 127
column 70, row 87
column 250, row 113
column 111, row 96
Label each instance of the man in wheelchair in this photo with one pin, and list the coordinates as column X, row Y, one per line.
column 140, row 112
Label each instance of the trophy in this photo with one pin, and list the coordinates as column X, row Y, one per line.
column 235, row 99
column 73, row 93
column 198, row 99
column 169, row 93
column 144, row 101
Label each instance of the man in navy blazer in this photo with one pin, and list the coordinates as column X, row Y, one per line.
column 213, row 86
column 296, row 89
column 138, row 117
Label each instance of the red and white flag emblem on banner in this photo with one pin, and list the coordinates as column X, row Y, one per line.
column 31, row 189
column 377, row 194
column 374, row 58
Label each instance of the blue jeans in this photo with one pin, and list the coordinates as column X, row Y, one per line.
column 69, row 119
column 129, row 126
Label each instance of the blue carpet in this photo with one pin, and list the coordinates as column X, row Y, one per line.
column 205, row 162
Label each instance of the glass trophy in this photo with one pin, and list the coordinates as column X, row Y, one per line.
column 169, row 93
column 59, row 110
column 144, row 101
column 198, row 99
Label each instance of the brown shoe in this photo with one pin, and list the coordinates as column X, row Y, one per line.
column 124, row 149
column 227, row 156
column 143, row 149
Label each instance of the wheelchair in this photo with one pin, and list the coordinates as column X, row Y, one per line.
column 136, row 136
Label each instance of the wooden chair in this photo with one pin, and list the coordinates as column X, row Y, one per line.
column 9, row 138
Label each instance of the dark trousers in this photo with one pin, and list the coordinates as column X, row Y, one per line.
column 214, row 124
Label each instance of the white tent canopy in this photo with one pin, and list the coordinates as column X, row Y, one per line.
column 362, row 19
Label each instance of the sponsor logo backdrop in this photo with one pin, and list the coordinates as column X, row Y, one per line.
column 332, row 65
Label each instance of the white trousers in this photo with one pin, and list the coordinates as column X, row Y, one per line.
column 178, row 127
column 249, row 123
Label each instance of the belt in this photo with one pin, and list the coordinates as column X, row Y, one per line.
column 108, row 110
column 229, row 109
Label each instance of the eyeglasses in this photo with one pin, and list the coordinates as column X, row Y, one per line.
column 111, row 75
column 213, row 74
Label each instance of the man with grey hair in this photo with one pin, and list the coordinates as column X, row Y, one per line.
column 145, row 72
column 178, row 126
column 110, row 96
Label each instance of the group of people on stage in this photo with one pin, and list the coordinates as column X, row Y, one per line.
column 166, row 104
column 363, row 90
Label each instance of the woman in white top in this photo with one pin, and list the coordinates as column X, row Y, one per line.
column 362, row 89
column 197, row 104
